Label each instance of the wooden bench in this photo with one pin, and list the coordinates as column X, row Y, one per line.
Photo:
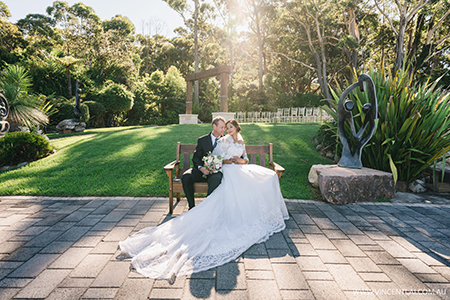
column 184, row 152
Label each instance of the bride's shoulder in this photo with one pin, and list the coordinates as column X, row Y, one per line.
column 226, row 138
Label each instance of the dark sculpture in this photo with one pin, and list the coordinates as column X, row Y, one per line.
column 76, row 108
column 351, row 156
column 4, row 111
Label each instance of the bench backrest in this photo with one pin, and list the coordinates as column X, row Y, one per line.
column 254, row 152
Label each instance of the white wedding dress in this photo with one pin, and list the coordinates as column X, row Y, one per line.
column 246, row 208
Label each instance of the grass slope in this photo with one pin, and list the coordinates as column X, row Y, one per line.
column 130, row 162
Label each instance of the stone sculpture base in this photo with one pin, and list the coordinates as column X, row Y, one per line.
column 340, row 185
column 70, row 126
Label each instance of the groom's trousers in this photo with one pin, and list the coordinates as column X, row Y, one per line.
column 191, row 176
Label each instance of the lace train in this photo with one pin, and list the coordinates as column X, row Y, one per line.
column 245, row 209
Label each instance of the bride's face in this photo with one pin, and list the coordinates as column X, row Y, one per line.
column 231, row 129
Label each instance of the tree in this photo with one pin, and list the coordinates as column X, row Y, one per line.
column 149, row 38
column 406, row 12
column 11, row 39
column 316, row 20
column 199, row 14
column 68, row 62
column 429, row 41
column 4, row 11
column 40, row 32
column 168, row 93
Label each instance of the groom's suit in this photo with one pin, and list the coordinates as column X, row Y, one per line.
column 204, row 147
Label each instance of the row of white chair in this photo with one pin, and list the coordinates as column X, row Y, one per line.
column 285, row 115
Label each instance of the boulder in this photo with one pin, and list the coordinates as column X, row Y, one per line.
column 70, row 126
column 340, row 185
column 313, row 176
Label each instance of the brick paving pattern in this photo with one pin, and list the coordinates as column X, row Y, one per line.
column 66, row 248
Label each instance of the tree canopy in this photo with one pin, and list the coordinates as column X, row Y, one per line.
column 278, row 50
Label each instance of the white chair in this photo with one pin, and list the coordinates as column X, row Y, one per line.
column 301, row 114
column 308, row 114
column 240, row 117
column 279, row 115
column 316, row 114
column 251, row 116
column 286, row 114
column 294, row 114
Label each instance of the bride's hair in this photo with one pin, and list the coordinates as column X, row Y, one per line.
column 235, row 124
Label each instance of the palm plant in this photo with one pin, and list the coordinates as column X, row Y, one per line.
column 68, row 62
column 24, row 107
column 413, row 126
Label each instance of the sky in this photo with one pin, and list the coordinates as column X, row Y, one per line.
column 136, row 10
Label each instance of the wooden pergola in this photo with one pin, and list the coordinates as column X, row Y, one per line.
column 223, row 71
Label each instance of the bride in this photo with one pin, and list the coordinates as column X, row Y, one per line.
column 246, row 208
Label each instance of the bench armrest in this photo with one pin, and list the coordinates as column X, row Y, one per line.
column 169, row 168
column 277, row 168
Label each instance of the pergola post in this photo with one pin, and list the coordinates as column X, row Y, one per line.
column 223, row 72
column 189, row 97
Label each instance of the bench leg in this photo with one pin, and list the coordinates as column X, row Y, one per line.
column 170, row 201
column 178, row 197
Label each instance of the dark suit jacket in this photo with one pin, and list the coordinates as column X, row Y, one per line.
column 204, row 146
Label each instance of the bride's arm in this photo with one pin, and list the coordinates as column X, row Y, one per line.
column 227, row 161
column 239, row 160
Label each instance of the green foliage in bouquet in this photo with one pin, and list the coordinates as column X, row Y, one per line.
column 412, row 127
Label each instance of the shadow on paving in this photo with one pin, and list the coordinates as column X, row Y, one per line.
column 53, row 246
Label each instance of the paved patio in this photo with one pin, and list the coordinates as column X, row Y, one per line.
column 66, row 248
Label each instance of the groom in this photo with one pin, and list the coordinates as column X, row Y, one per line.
column 205, row 144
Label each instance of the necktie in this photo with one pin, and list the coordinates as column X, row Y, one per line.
column 215, row 143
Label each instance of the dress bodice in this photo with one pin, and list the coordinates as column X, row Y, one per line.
column 228, row 148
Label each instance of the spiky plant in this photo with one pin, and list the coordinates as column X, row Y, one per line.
column 413, row 128
column 24, row 107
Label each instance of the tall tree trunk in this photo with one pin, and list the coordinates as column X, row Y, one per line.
column 154, row 52
column 147, row 53
column 399, row 46
column 260, row 52
column 354, row 32
column 196, row 92
column 69, row 84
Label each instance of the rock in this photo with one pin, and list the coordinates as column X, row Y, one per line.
column 401, row 186
column 70, row 126
column 330, row 154
column 417, row 186
column 22, row 164
column 313, row 176
column 6, row 168
column 339, row 185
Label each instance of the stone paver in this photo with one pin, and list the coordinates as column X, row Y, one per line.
column 66, row 248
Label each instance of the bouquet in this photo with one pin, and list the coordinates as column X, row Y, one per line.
column 213, row 163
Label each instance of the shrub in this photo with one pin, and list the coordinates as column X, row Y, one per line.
column 18, row 147
column 413, row 124
column 115, row 97
column 96, row 113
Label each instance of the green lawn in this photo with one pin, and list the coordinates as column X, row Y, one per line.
column 129, row 161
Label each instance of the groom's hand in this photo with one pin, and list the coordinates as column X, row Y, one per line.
column 204, row 170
